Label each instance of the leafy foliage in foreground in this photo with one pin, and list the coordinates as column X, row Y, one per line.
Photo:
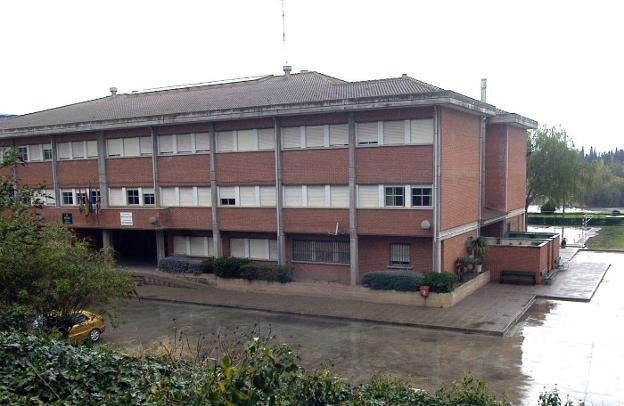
column 40, row 370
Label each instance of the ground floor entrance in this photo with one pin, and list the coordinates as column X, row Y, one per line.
column 134, row 246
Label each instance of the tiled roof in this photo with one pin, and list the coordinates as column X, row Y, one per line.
column 300, row 88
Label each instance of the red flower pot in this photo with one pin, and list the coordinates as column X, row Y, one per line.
column 424, row 290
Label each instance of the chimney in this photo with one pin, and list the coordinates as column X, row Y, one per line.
column 113, row 91
column 483, row 90
column 404, row 75
column 287, row 70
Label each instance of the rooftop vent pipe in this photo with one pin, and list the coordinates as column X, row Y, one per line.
column 483, row 90
column 287, row 69
column 113, row 91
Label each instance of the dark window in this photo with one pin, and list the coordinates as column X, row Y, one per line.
column 133, row 196
column 228, row 202
column 148, row 198
column 94, row 196
column 395, row 196
column 22, row 153
column 68, row 198
column 47, row 153
column 336, row 252
column 400, row 255
column 80, row 318
column 421, row 196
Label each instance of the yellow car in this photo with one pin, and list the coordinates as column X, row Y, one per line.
column 86, row 326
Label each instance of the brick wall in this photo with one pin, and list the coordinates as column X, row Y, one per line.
column 129, row 172
column 78, row 173
column 317, row 221
column 401, row 164
column 530, row 259
column 403, row 222
column 247, row 219
column 516, row 189
column 183, row 170
column 252, row 168
column 308, row 271
column 375, row 253
column 454, row 247
column 459, row 146
column 33, row 174
column 326, row 166
column 495, row 166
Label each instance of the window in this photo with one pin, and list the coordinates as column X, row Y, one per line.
column 202, row 142
column 395, row 196
column 421, row 197
column 165, row 144
column 204, row 197
column 186, row 196
column 115, row 147
column 225, row 141
column 316, row 196
column 338, row 134
column 116, row 197
column 368, row 196
column 400, row 255
column 63, row 150
column 77, row 150
column 68, row 198
column 132, row 196
column 22, row 153
column 291, row 137
column 421, row 131
column 131, row 147
column 394, row 132
column 339, row 196
column 94, row 196
column 267, row 196
column 266, row 139
column 169, row 196
column 247, row 140
column 184, row 143
column 148, row 197
column 92, row 149
column 247, row 195
column 145, row 145
column 335, row 252
column 47, row 152
column 293, row 196
column 254, row 248
column 315, row 136
column 367, row 133
column 227, row 196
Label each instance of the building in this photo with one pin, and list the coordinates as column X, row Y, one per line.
column 336, row 178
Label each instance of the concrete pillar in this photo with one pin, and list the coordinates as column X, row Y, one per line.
column 101, row 143
column 437, row 250
column 353, row 236
column 154, row 135
column 55, row 178
column 481, row 170
column 281, row 237
column 160, row 245
column 214, row 196
column 107, row 239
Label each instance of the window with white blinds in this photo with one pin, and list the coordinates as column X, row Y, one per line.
column 78, row 149
column 180, row 245
column 293, row 196
column 367, row 133
column 193, row 246
column 368, row 196
column 92, row 149
column 266, row 139
column 131, row 147
column 35, row 153
column 145, row 145
column 394, row 132
column 316, row 196
column 63, row 150
column 116, row 197
column 225, row 141
column 238, row 248
column 338, row 134
column 339, row 196
column 165, row 144
column 202, row 142
column 66, row 150
column 421, row 131
column 227, row 196
column 247, row 140
column 254, row 248
column 315, row 136
column 247, row 196
column 114, row 147
column 204, row 197
column 186, row 196
column 267, row 196
column 168, row 196
column 291, row 137
column 184, row 143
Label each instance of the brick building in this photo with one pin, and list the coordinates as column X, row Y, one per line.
column 335, row 178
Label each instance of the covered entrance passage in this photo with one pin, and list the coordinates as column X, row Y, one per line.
column 134, row 247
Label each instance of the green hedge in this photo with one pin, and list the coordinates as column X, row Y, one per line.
column 572, row 220
column 178, row 264
column 266, row 272
column 405, row 281
column 440, row 282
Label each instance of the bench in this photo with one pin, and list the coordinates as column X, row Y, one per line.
column 515, row 276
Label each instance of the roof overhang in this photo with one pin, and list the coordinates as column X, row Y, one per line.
column 515, row 120
column 449, row 99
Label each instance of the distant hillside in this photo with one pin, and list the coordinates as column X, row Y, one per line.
column 5, row 115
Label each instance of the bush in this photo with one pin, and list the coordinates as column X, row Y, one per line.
column 16, row 317
column 405, row 281
column 177, row 264
column 229, row 267
column 266, row 272
column 439, row 282
column 548, row 207
column 208, row 265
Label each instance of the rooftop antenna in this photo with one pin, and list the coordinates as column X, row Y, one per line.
column 287, row 68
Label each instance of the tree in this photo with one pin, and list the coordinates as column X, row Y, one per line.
column 553, row 168
column 45, row 267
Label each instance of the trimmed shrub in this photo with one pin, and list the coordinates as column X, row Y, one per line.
column 439, row 282
column 208, row 265
column 266, row 272
column 178, row 264
column 548, row 207
column 229, row 267
column 404, row 281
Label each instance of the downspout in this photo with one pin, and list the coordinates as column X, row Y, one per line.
column 160, row 234
column 102, row 176
column 279, row 215
column 436, row 191
column 353, row 236
column 506, row 177
column 481, row 171
column 55, row 179
column 214, row 196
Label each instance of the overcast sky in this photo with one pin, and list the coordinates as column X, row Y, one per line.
column 558, row 62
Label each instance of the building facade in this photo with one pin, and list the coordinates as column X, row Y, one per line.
column 334, row 178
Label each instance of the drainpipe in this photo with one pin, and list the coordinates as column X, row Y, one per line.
column 353, row 236
column 55, row 179
column 279, row 214
column 154, row 134
column 214, row 196
column 102, row 176
column 481, row 170
column 436, row 254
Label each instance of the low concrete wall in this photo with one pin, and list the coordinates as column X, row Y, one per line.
column 341, row 291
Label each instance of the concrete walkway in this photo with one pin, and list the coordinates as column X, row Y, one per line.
column 492, row 310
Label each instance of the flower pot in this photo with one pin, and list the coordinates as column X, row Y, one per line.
column 479, row 268
column 424, row 290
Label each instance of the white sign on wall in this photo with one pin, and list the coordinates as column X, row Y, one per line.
column 125, row 217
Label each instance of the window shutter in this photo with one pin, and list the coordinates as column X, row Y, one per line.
column 115, row 147
column 247, row 140
column 202, row 142
column 368, row 196
column 421, row 131
column 339, row 134
column 316, row 196
column 247, row 195
column 116, row 197
column 145, row 145
column 258, row 248
column 339, row 196
column 165, row 144
column 78, row 151
column 198, row 247
column 273, row 250
column 35, row 152
column 63, row 150
column 367, row 133
column 266, row 139
column 92, row 149
column 315, row 136
column 186, row 196
column 227, row 192
column 225, row 141
column 237, row 247
column 185, row 143
column 293, row 196
column 267, row 196
column 131, row 147
column 394, row 132
column 179, row 245
column 291, row 137
column 203, row 197
column 168, row 196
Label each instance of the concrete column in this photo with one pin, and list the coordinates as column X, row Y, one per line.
column 281, row 238
column 55, row 178
column 437, row 251
column 154, row 135
column 481, row 170
column 214, row 196
column 160, row 245
column 101, row 144
column 353, row 236
column 107, row 239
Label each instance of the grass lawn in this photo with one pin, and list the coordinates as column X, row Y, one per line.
column 610, row 237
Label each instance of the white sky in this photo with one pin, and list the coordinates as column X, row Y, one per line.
column 559, row 62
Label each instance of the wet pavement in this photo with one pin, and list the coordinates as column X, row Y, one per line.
column 577, row 346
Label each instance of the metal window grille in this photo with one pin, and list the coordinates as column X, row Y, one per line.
column 395, row 196
column 336, row 252
column 400, row 254
column 421, row 196
column 133, row 196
